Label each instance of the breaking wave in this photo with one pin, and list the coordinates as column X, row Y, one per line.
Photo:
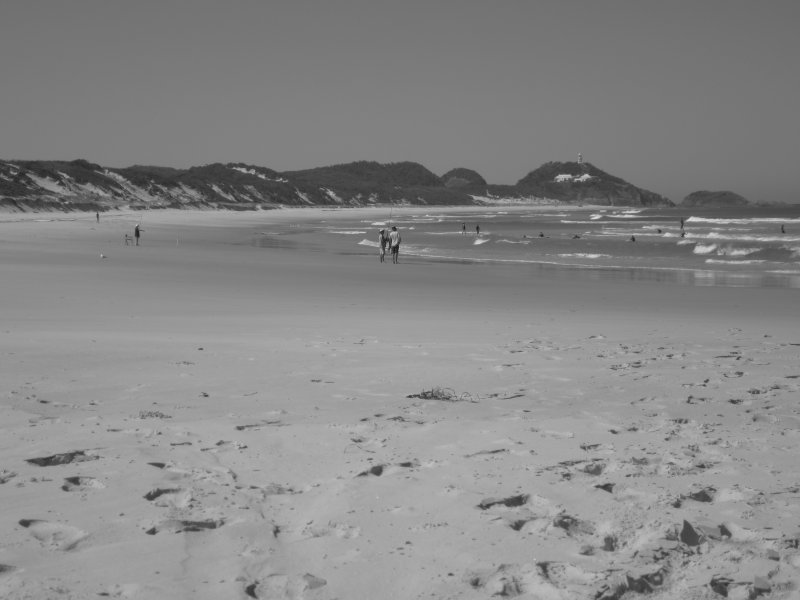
column 741, row 221
column 704, row 248
column 584, row 255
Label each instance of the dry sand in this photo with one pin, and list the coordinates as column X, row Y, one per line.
column 200, row 418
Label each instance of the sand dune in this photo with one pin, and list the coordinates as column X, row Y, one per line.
column 199, row 417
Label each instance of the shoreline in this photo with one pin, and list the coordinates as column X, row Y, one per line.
column 292, row 212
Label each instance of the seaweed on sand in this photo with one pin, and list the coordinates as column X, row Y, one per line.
column 443, row 394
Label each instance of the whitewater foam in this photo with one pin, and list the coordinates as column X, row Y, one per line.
column 747, row 221
column 704, row 248
column 584, row 255
column 719, row 261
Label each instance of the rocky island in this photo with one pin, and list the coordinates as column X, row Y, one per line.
column 720, row 199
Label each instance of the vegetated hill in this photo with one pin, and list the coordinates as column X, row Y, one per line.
column 581, row 182
column 718, row 199
column 368, row 175
column 368, row 182
column 82, row 185
column 463, row 178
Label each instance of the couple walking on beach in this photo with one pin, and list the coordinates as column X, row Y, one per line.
column 391, row 239
column 464, row 229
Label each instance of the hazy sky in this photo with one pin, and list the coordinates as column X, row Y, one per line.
column 673, row 96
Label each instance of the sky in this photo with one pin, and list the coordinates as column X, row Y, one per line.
column 673, row 97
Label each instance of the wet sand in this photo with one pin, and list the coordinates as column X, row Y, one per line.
column 203, row 416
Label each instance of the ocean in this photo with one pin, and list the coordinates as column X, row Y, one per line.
column 750, row 247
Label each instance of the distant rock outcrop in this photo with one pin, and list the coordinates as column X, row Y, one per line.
column 582, row 182
column 719, row 199
column 463, row 178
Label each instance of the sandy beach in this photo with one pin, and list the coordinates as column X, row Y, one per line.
column 205, row 417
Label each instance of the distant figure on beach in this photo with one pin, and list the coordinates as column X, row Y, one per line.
column 477, row 229
column 681, row 222
column 136, row 233
column 394, row 243
column 633, row 238
column 97, row 216
column 383, row 239
column 783, row 229
column 463, row 229
column 541, row 234
column 576, row 237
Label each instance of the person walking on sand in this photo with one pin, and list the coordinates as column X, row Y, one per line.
column 463, row 229
column 394, row 244
column 783, row 229
column 97, row 216
column 383, row 240
column 137, row 233
column 477, row 229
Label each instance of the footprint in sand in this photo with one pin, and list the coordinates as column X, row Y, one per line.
column 63, row 458
column 260, row 425
column 185, row 525
column 82, row 484
column 55, row 536
column 510, row 580
column 332, row 528
column 568, row 576
column 169, row 497
column 559, row 435
column 362, row 443
column 509, row 502
column 284, row 586
column 573, row 526
column 218, row 475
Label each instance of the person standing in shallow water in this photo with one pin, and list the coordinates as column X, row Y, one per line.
column 394, row 244
column 136, row 233
column 477, row 229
